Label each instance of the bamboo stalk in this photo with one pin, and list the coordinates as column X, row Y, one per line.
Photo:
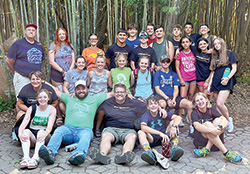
column 30, row 9
column 144, row 18
column 21, row 9
column 73, row 39
column 70, row 22
column 54, row 13
column 37, row 21
column 25, row 13
column 83, row 30
column 78, row 28
column 109, row 26
column 116, row 16
column 13, row 13
column 87, row 17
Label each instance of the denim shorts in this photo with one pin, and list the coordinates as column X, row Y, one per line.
column 191, row 81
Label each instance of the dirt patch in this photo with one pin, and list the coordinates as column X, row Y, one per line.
column 238, row 105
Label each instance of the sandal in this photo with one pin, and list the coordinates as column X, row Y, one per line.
column 33, row 163
column 97, row 133
column 24, row 163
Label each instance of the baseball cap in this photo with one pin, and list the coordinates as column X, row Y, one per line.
column 80, row 82
column 143, row 33
column 164, row 56
column 31, row 25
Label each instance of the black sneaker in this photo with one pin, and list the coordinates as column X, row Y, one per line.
column 127, row 157
column 47, row 155
column 77, row 159
column 96, row 155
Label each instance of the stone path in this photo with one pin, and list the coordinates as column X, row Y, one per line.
column 238, row 141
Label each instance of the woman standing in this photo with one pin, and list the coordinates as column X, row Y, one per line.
column 36, row 128
column 61, row 57
column 90, row 53
column 99, row 79
column 223, row 67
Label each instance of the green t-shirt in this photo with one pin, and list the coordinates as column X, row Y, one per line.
column 121, row 76
column 81, row 113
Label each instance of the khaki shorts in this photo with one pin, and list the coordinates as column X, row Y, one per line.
column 119, row 133
column 19, row 82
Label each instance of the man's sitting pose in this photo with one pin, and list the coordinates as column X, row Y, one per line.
column 80, row 113
column 154, row 131
column 121, row 113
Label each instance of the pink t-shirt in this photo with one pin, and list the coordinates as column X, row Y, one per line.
column 187, row 65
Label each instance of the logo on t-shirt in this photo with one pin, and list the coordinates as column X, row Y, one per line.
column 121, row 78
column 153, row 124
column 164, row 81
column 34, row 56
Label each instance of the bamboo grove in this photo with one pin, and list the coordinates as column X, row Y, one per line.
column 228, row 19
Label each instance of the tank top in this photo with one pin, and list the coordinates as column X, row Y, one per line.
column 41, row 119
column 98, row 84
column 160, row 49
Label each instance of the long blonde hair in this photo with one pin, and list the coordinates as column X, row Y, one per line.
column 222, row 54
column 203, row 95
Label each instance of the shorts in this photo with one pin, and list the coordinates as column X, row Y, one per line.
column 119, row 133
column 201, row 83
column 19, row 81
column 157, row 139
column 56, row 76
column 191, row 81
column 178, row 100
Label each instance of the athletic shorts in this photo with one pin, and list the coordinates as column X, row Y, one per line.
column 191, row 81
column 201, row 83
column 178, row 100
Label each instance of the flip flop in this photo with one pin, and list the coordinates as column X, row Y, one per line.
column 164, row 162
column 33, row 163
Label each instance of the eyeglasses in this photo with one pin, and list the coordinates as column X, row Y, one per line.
column 165, row 61
column 145, row 37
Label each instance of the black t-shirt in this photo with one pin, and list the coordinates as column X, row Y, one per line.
column 113, row 50
column 202, row 65
column 139, row 52
column 176, row 46
column 28, row 94
column 200, row 117
column 194, row 37
column 122, row 115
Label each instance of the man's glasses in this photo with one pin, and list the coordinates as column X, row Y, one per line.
column 165, row 61
column 145, row 37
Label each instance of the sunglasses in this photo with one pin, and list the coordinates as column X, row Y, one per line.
column 165, row 61
column 143, row 37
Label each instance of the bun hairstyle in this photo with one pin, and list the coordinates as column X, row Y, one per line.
column 100, row 55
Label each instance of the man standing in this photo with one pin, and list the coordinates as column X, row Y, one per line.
column 119, row 47
column 151, row 34
column 132, row 40
column 79, row 117
column 188, row 28
column 121, row 114
column 143, row 50
column 25, row 55
column 162, row 46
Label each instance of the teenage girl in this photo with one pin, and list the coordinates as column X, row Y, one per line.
column 99, row 79
column 122, row 74
column 209, row 124
column 223, row 62
column 39, row 128
column 185, row 68
column 143, row 79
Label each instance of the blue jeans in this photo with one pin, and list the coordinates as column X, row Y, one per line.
column 69, row 135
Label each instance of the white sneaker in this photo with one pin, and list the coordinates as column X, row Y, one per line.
column 181, row 124
column 191, row 129
column 230, row 126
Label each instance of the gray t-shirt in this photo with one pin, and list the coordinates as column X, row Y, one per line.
column 72, row 76
column 63, row 56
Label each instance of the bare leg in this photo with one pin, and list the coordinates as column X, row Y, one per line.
column 191, row 91
column 129, row 143
column 144, row 138
column 107, row 139
column 221, row 97
column 186, row 104
column 27, row 144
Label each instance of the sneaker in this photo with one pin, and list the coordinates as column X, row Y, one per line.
column 191, row 131
column 176, row 153
column 181, row 124
column 47, row 155
column 230, row 126
column 127, row 157
column 98, row 156
column 232, row 157
column 149, row 157
column 201, row 152
column 77, row 159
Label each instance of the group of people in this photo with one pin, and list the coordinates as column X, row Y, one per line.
column 133, row 85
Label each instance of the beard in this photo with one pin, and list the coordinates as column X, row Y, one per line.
column 81, row 97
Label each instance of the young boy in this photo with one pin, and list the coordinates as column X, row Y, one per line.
column 132, row 40
column 155, row 131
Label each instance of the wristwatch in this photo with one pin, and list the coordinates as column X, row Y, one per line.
column 174, row 125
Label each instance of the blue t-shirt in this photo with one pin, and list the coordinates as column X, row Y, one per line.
column 113, row 50
column 166, row 81
column 147, row 52
column 72, row 76
column 157, row 122
column 133, row 44
column 28, row 57
column 122, row 115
